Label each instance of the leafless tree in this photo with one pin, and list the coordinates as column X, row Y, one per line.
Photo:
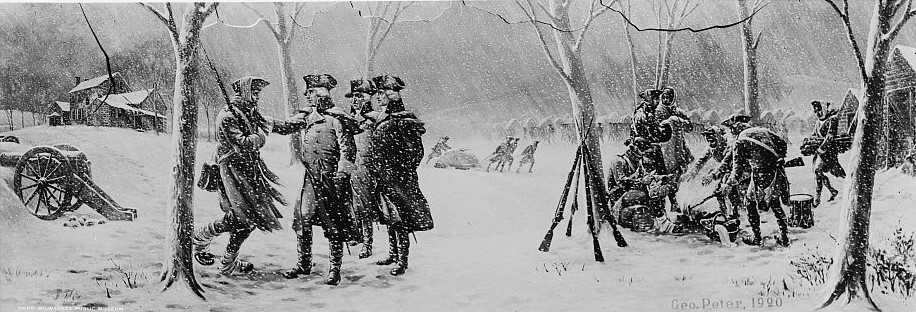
column 750, row 41
column 382, row 18
column 186, row 43
column 283, row 28
column 848, row 273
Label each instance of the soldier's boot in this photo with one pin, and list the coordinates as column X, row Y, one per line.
column 202, row 239
column 833, row 191
column 753, row 217
column 336, row 260
column 230, row 263
column 392, row 248
column 366, row 252
column 304, row 249
column 783, row 238
column 403, row 251
column 531, row 167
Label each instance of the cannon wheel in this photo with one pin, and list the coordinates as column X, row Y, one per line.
column 70, row 148
column 41, row 182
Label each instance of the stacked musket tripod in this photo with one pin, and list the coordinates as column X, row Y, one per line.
column 596, row 203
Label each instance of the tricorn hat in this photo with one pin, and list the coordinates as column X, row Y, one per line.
column 733, row 119
column 386, row 82
column 320, row 81
column 361, row 85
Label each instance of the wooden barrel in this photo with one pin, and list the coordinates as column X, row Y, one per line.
column 800, row 214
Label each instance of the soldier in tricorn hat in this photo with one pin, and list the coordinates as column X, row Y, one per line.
column 365, row 179
column 328, row 155
column 397, row 150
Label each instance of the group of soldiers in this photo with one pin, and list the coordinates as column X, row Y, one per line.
column 750, row 174
column 502, row 157
column 360, row 168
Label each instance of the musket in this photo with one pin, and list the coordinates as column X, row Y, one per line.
column 219, row 81
column 558, row 215
column 705, row 199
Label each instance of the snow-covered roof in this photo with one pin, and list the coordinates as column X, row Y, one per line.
column 64, row 106
column 127, row 101
column 149, row 113
column 130, row 98
column 91, row 83
column 54, row 114
column 909, row 54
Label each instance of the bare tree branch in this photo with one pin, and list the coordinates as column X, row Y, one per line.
column 592, row 15
column 690, row 29
column 547, row 12
column 851, row 36
column 210, row 8
column 292, row 30
column 169, row 22
column 544, row 45
column 266, row 21
column 757, row 39
column 531, row 20
column 908, row 13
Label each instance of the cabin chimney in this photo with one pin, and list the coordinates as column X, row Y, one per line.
column 77, row 80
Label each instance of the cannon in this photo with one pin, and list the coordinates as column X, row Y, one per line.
column 52, row 180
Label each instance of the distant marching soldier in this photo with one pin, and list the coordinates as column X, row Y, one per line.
column 438, row 149
column 759, row 158
column 528, row 157
column 498, row 155
column 826, row 128
column 397, row 149
column 246, row 193
column 508, row 159
column 365, row 179
column 328, row 155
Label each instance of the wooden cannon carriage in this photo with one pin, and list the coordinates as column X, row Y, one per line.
column 52, row 180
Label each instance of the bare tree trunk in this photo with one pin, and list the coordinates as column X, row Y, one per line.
column 751, row 86
column 21, row 119
column 9, row 116
column 633, row 63
column 178, row 260
column 665, row 62
column 34, row 121
column 207, row 115
column 580, row 95
column 292, row 97
column 849, row 263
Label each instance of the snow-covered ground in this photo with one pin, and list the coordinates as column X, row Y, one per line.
column 482, row 255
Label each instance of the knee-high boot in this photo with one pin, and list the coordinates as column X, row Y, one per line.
column 783, row 238
column 230, row 262
column 366, row 252
column 336, row 260
column 753, row 217
column 403, row 252
column 304, row 250
column 392, row 248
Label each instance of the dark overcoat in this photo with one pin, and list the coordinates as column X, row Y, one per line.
column 397, row 150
